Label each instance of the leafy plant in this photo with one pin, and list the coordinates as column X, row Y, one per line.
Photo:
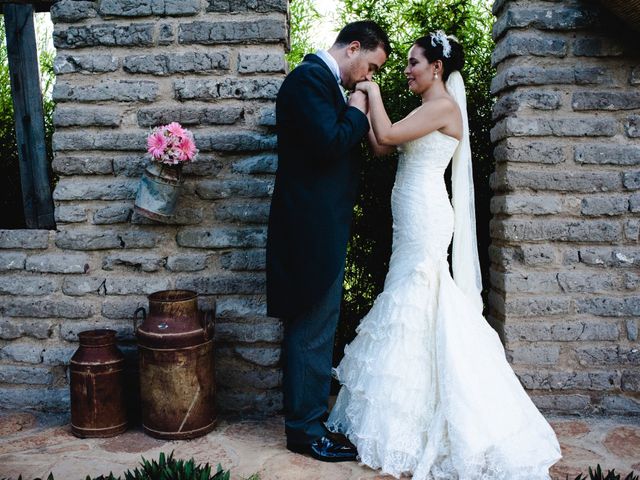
column 598, row 475
column 303, row 15
column 167, row 468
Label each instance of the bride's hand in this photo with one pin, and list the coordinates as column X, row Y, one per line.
column 366, row 87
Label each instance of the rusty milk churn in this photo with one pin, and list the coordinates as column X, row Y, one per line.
column 97, row 386
column 177, row 384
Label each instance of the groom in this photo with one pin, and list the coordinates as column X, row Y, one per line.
column 319, row 133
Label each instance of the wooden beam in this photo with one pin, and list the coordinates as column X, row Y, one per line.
column 38, row 6
column 29, row 116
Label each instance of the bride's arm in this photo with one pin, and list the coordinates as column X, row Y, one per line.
column 377, row 149
column 430, row 116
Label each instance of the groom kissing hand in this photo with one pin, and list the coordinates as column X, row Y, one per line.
column 319, row 133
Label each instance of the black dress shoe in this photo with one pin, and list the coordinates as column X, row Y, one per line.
column 326, row 450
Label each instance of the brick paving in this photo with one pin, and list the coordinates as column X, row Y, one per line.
column 34, row 444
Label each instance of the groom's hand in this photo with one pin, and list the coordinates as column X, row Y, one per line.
column 358, row 99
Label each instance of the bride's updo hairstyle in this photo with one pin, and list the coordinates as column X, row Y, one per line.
column 435, row 48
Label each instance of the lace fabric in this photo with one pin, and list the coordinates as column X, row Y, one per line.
column 426, row 388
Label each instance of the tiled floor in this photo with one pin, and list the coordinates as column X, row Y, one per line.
column 35, row 444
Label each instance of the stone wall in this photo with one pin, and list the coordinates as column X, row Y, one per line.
column 123, row 67
column 565, row 254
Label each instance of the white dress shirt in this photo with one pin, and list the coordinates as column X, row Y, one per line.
column 334, row 67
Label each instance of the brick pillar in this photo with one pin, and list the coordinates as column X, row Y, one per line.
column 123, row 67
column 565, row 254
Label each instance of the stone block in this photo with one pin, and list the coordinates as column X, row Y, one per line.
column 224, row 283
column 69, row 11
column 534, row 354
column 96, row 63
column 106, row 34
column 260, row 356
column 535, row 255
column 591, row 231
column 521, row 75
column 22, row 351
column 119, row 213
column 244, row 260
column 58, row 354
column 609, row 306
column 597, row 47
column 239, row 307
column 243, row 213
column 53, row 307
column 240, row 6
column 268, row 402
column 525, row 282
column 517, row 101
column 58, row 263
column 85, row 285
column 596, row 381
column 12, row 261
column 263, row 163
column 632, row 126
column 99, row 239
column 144, row 8
column 561, row 18
column 70, row 214
column 556, row 127
column 88, row 116
column 25, row 375
column 605, row 101
column 136, row 285
column 84, row 165
column 145, row 262
column 634, row 77
column 570, row 180
column 238, row 141
column 632, row 329
column 222, row 237
column 106, row 90
column 214, row 115
column 122, row 307
column 210, row 89
column 237, row 374
column 632, row 229
column 232, row 188
column 10, row 328
column 539, row 306
column 268, row 331
column 267, row 116
column 583, row 282
column 186, row 262
column 526, row 204
column 49, row 399
column 170, row 64
column 607, row 154
column 562, row 331
column 619, row 405
column 530, row 151
column 608, row 355
column 113, row 188
column 261, row 62
column 618, row 256
column 605, row 206
column 516, row 44
column 166, row 34
column 130, row 165
column 239, row 31
column 631, row 180
column 630, row 381
column 565, row 403
column 31, row 285
column 24, row 239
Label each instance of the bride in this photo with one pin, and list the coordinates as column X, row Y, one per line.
column 426, row 389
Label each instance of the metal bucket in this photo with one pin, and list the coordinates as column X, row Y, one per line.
column 97, row 386
column 158, row 191
column 177, row 382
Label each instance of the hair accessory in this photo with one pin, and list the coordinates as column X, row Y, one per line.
column 440, row 37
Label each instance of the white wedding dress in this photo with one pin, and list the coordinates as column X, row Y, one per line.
column 426, row 389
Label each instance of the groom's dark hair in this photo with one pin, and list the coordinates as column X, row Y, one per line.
column 367, row 32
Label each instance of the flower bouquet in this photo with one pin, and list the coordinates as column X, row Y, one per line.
column 170, row 147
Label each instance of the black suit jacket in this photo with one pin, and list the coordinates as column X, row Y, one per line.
column 315, row 187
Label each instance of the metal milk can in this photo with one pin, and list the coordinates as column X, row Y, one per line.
column 97, row 386
column 177, row 383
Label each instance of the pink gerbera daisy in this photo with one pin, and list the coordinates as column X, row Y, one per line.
column 174, row 128
column 156, row 144
column 186, row 148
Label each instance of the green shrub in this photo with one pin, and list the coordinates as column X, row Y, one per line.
column 611, row 475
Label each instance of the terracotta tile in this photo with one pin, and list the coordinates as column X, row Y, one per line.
column 131, row 441
column 571, row 428
column 291, row 466
column 16, row 422
column 624, row 442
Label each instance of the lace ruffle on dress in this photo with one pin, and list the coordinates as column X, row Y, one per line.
column 426, row 388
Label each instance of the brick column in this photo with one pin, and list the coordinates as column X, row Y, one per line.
column 123, row 67
column 565, row 253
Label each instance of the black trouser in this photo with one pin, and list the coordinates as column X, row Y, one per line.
column 307, row 357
